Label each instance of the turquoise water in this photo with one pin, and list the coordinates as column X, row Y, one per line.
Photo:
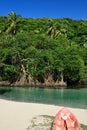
column 76, row 98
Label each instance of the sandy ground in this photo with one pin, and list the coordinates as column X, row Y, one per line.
column 17, row 115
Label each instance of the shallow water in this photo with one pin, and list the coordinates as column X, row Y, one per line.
column 76, row 98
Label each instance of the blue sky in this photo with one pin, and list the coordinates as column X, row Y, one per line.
column 76, row 9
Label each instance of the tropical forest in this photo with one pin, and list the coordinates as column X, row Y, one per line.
column 42, row 51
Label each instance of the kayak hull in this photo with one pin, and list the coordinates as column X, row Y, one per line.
column 65, row 120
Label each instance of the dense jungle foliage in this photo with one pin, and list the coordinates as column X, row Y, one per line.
column 43, row 50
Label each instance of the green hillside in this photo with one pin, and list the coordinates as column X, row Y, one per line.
column 46, row 51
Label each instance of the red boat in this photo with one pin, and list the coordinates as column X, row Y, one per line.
column 65, row 120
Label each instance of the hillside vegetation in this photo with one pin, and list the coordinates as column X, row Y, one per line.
column 43, row 51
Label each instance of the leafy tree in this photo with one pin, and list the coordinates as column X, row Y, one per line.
column 74, row 65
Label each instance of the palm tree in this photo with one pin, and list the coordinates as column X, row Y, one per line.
column 54, row 33
column 12, row 23
column 51, row 31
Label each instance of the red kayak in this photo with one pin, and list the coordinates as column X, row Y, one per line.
column 65, row 120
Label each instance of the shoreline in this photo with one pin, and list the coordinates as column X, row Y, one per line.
column 17, row 115
column 41, row 85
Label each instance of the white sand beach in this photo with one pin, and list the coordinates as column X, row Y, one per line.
column 17, row 115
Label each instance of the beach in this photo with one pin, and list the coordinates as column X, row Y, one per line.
column 17, row 115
